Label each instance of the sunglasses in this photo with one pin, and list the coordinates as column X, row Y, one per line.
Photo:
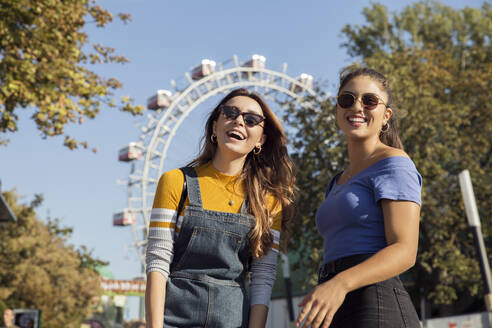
column 250, row 119
column 368, row 100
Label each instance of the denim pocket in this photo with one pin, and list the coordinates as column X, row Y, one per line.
column 409, row 316
column 228, row 307
column 210, row 247
column 187, row 303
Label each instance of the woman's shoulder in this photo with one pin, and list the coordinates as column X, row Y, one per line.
column 394, row 152
column 172, row 174
column 396, row 164
column 391, row 161
column 393, row 157
column 396, row 178
column 171, row 179
column 169, row 189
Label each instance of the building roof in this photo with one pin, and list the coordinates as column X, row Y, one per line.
column 5, row 211
column 104, row 272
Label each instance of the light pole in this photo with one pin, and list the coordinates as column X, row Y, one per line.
column 474, row 223
column 288, row 285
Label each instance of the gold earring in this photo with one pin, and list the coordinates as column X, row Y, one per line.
column 257, row 150
column 213, row 138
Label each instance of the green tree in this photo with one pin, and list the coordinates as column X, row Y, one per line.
column 38, row 269
column 45, row 57
column 318, row 152
column 439, row 63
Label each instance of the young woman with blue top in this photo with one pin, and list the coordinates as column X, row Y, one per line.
column 206, row 238
column 370, row 218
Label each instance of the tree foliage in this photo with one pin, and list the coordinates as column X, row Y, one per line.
column 38, row 269
column 439, row 63
column 318, row 152
column 45, row 57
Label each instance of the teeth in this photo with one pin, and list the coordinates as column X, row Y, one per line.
column 356, row 119
column 236, row 135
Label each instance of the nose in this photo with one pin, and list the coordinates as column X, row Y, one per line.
column 358, row 104
column 239, row 120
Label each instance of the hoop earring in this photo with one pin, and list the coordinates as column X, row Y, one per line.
column 213, row 138
column 257, row 150
column 385, row 128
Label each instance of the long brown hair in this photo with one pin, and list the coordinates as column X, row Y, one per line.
column 271, row 172
column 389, row 137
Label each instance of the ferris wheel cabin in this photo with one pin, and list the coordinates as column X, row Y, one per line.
column 130, row 153
column 207, row 67
column 124, row 218
column 161, row 99
column 256, row 61
column 306, row 80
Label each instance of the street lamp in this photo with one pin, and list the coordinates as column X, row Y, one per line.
column 474, row 223
column 288, row 285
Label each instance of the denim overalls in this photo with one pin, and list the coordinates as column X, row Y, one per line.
column 206, row 285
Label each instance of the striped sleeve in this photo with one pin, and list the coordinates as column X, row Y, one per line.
column 264, row 269
column 164, row 223
column 263, row 274
column 276, row 226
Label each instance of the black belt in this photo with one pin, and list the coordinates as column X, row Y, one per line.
column 330, row 269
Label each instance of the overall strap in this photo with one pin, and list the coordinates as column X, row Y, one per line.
column 184, row 193
column 193, row 186
column 244, row 207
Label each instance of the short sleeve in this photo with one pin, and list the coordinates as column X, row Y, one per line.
column 398, row 182
column 169, row 188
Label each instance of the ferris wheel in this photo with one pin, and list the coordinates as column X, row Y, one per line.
column 168, row 109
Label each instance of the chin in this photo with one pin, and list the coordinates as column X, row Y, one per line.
column 234, row 150
column 357, row 135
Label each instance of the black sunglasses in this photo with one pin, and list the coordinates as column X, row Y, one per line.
column 250, row 119
column 369, row 100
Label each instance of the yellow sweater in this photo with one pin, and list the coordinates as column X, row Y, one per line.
column 220, row 192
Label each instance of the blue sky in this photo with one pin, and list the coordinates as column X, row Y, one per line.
column 164, row 40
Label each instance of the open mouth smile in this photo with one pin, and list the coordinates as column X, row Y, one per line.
column 236, row 135
column 356, row 120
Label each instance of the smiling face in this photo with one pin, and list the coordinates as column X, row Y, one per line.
column 358, row 122
column 233, row 136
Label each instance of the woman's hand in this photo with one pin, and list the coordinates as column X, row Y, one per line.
column 321, row 304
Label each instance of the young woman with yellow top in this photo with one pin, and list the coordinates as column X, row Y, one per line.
column 239, row 195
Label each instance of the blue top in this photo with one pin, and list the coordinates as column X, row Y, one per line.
column 351, row 218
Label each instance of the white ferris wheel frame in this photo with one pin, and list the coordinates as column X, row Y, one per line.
column 161, row 127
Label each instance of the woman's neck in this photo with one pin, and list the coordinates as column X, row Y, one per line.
column 363, row 150
column 228, row 166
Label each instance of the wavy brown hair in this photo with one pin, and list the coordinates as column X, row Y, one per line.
column 271, row 172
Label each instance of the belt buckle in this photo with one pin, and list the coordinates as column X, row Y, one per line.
column 326, row 269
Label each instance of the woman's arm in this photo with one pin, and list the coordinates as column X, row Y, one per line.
column 264, row 272
column 401, row 224
column 155, row 298
column 258, row 316
column 160, row 245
